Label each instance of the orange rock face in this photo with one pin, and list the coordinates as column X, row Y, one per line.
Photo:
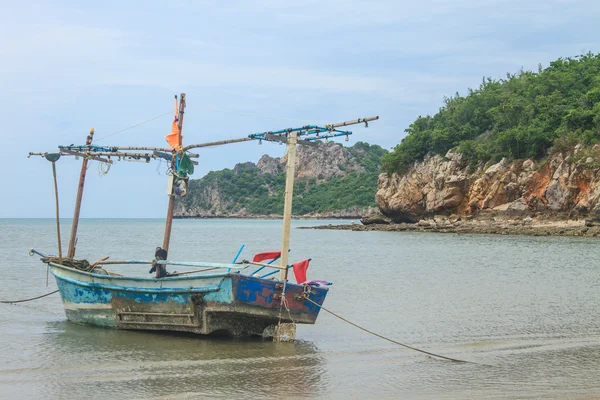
column 565, row 183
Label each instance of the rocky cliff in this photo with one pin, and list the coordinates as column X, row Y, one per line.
column 322, row 162
column 332, row 181
column 565, row 185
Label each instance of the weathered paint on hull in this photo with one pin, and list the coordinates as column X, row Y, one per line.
column 237, row 304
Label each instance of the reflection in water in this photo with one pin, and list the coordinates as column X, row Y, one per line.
column 86, row 360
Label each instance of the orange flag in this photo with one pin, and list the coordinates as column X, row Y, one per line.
column 173, row 138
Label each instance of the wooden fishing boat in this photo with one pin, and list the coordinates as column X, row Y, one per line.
column 224, row 298
column 220, row 302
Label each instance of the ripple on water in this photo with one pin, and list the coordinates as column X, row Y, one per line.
column 527, row 306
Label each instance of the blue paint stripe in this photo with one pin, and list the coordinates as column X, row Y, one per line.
column 205, row 289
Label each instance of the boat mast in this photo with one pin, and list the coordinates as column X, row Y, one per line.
column 169, row 220
column 53, row 158
column 292, row 136
column 84, row 163
column 292, row 141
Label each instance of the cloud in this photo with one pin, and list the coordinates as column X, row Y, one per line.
column 51, row 56
column 68, row 66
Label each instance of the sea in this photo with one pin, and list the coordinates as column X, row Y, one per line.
column 524, row 311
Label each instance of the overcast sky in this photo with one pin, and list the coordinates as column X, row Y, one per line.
column 67, row 66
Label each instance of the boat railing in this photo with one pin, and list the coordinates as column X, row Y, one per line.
column 205, row 266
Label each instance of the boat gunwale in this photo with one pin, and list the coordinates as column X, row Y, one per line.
column 223, row 274
column 141, row 278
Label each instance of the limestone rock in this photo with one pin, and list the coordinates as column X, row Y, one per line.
column 516, row 189
column 518, row 208
column 375, row 217
column 269, row 165
column 324, row 162
column 328, row 160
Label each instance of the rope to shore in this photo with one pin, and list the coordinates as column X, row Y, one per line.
column 388, row 339
column 24, row 300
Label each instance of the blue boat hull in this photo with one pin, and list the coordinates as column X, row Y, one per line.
column 229, row 303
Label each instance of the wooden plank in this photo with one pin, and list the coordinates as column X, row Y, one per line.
column 158, row 324
column 287, row 208
column 155, row 314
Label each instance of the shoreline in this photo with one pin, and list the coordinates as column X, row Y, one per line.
column 494, row 227
column 294, row 217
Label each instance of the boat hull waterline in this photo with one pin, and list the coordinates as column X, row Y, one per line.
column 221, row 303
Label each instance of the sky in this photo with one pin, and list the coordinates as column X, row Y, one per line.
column 246, row 67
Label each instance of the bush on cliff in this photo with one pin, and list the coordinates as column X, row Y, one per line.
column 247, row 188
column 522, row 116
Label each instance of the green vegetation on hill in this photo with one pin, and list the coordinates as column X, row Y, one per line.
column 246, row 187
column 523, row 116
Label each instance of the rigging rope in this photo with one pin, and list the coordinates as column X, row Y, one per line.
column 82, row 265
column 209, row 109
column 103, row 168
column 385, row 338
column 252, row 114
column 24, row 300
column 133, row 126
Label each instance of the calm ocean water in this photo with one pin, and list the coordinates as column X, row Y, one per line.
column 526, row 306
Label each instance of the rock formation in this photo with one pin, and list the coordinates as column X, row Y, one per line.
column 564, row 185
column 227, row 194
column 328, row 160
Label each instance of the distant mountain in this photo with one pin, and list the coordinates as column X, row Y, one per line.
column 331, row 181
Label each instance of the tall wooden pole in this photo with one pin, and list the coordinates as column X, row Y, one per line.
column 290, row 169
column 84, row 163
column 171, row 207
column 57, row 214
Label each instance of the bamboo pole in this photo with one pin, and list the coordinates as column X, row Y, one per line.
column 57, row 213
column 353, row 122
column 179, row 263
column 118, row 150
column 85, row 155
column 97, row 156
column 143, row 148
column 193, row 272
column 287, row 208
column 171, row 207
column 84, row 163
column 281, row 267
column 218, row 143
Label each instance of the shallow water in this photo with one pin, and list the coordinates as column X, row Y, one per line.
column 526, row 307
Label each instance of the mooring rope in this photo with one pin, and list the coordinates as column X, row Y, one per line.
column 388, row 339
column 24, row 300
column 82, row 265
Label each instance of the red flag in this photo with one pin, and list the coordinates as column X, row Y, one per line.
column 266, row 255
column 300, row 270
